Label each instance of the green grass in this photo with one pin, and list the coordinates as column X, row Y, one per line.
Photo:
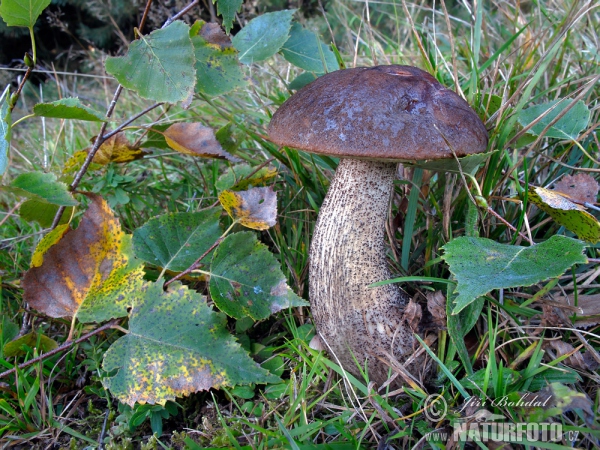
column 503, row 60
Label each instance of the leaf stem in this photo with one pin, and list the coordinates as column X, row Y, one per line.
column 33, row 50
column 130, row 120
column 29, row 116
column 64, row 346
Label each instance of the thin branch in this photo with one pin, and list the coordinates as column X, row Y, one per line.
column 67, row 345
column 128, row 121
column 21, row 85
column 145, row 15
column 501, row 219
column 172, row 19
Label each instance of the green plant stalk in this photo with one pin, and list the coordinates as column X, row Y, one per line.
column 411, row 214
column 33, row 49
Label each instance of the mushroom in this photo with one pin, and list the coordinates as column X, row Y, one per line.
column 372, row 118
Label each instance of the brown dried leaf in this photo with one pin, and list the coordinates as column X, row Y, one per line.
column 412, row 314
column 212, row 33
column 581, row 187
column 564, row 348
column 255, row 208
column 436, row 304
column 551, row 317
column 197, row 140
column 89, row 272
column 587, row 309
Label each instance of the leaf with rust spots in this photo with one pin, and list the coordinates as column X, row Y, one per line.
column 196, row 140
column 89, row 272
column 246, row 279
column 176, row 345
column 255, row 208
column 581, row 187
column 213, row 34
column 116, row 149
column 565, row 212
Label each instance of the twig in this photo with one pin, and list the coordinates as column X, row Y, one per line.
column 266, row 163
column 21, row 86
column 501, row 219
column 103, row 432
column 172, row 19
column 128, row 121
column 195, row 263
column 59, row 349
column 145, row 15
column 10, row 213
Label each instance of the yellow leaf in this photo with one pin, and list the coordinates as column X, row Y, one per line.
column 565, row 212
column 115, row 149
column 255, row 208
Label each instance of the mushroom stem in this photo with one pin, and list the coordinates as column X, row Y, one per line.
column 348, row 254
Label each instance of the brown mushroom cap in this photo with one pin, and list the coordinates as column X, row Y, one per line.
column 387, row 113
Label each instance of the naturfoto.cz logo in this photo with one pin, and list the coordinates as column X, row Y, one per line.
column 484, row 426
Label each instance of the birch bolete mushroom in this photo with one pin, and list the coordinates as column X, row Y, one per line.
column 372, row 118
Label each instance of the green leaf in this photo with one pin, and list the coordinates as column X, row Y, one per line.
column 5, row 129
column 468, row 164
column 263, row 36
column 175, row 241
column 42, row 187
column 302, row 80
column 159, row 66
column 68, row 108
column 475, row 380
column 481, row 265
column 243, row 176
column 460, row 324
column 43, row 213
column 22, row 13
column 227, row 10
column 217, row 69
column 304, row 49
column 568, row 127
column 176, row 345
column 8, row 329
column 15, row 348
column 246, row 279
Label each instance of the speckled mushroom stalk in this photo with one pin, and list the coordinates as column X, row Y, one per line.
column 347, row 254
